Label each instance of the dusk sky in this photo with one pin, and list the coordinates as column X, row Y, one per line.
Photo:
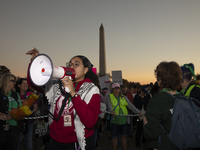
column 139, row 34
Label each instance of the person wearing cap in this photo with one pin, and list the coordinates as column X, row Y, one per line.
column 139, row 102
column 104, row 91
column 159, row 109
column 117, row 105
column 189, row 88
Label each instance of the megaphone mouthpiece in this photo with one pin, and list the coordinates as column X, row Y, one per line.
column 43, row 70
column 46, row 71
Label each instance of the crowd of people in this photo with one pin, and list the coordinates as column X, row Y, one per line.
column 74, row 120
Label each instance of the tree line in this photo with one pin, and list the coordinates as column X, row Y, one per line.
column 4, row 69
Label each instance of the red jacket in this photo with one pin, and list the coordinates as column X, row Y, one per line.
column 88, row 114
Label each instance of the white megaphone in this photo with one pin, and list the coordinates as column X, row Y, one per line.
column 42, row 70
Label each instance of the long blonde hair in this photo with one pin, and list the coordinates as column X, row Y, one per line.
column 4, row 84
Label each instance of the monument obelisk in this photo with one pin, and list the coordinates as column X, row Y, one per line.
column 102, row 54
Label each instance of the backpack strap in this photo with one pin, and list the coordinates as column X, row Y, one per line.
column 164, row 131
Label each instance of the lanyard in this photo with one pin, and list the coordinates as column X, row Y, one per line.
column 117, row 103
column 70, row 97
column 165, row 90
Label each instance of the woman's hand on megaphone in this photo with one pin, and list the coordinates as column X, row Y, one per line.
column 68, row 83
column 34, row 52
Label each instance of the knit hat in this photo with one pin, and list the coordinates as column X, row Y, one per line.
column 144, row 89
column 188, row 71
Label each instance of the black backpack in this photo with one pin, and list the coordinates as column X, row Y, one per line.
column 185, row 123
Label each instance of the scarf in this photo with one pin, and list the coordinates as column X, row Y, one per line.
column 86, row 92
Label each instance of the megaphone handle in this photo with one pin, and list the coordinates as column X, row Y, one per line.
column 67, row 89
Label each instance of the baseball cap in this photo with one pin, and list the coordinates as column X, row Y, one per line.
column 114, row 85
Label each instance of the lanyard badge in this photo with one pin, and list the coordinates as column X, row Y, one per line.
column 67, row 120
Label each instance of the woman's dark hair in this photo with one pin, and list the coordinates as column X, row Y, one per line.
column 169, row 73
column 19, row 82
column 90, row 74
column 155, row 88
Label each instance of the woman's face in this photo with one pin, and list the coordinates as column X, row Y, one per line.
column 23, row 86
column 116, row 90
column 77, row 65
column 12, row 83
column 131, row 90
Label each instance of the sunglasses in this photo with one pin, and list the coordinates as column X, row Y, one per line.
column 13, row 81
column 116, row 88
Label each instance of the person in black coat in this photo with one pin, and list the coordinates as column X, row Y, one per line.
column 189, row 88
column 9, row 132
column 139, row 102
column 159, row 108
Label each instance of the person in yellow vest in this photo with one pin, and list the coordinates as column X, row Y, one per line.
column 117, row 104
column 189, row 89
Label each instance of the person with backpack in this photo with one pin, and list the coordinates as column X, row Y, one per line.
column 159, row 108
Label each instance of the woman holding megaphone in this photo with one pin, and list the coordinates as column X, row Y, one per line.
column 72, row 128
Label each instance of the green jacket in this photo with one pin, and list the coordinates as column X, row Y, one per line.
column 159, row 111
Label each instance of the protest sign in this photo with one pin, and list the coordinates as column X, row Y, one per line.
column 117, row 77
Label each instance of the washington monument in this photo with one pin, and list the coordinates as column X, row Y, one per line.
column 102, row 54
